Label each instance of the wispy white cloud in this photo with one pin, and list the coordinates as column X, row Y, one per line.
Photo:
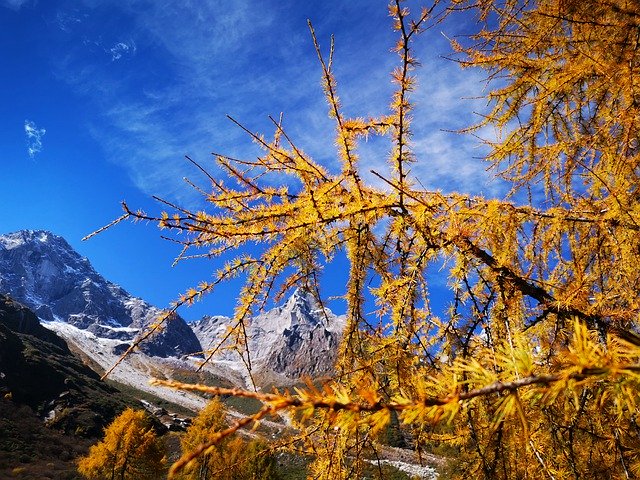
column 14, row 4
column 250, row 61
column 447, row 99
column 121, row 49
column 67, row 20
column 207, row 53
column 34, row 137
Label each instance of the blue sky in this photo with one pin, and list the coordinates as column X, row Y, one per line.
column 101, row 100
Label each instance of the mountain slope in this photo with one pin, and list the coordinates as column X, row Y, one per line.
column 43, row 271
column 38, row 370
column 295, row 340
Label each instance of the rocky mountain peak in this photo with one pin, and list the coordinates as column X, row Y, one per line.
column 303, row 301
column 21, row 237
column 295, row 339
column 32, row 262
column 41, row 270
column 300, row 310
column 44, row 243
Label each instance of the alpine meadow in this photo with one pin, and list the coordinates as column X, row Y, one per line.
column 533, row 370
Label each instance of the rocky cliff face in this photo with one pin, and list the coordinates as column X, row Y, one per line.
column 297, row 339
column 19, row 319
column 42, row 271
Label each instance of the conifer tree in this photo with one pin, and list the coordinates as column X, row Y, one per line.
column 229, row 459
column 206, row 424
column 533, row 371
column 130, row 449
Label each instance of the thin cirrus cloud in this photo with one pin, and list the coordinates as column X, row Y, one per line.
column 14, row 4
column 67, row 20
column 172, row 101
column 34, row 137
column 216, row 59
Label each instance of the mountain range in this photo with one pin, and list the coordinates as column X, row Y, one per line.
column 43, row 382
column 42, row 271
column 100, row 320
column 295, row 340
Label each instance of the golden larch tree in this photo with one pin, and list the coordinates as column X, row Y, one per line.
column 228, row 459
column 533, row 370
column 210, row 421
column 130, row 449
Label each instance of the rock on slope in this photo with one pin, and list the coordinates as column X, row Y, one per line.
column 294, row 340
column 42, row 271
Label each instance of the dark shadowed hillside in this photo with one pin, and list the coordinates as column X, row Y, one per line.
column 43, row 384
column 38, row 370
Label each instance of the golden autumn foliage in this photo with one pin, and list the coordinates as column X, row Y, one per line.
column 533, row 372
column 229, row 459
column 130, row 449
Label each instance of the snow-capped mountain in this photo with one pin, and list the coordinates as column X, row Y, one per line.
column 297, row 339
column 43, row 271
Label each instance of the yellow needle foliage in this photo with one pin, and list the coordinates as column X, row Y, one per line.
column 130, row 450
column 228, row 459
column 533, row 371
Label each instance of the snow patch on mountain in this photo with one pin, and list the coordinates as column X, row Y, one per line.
column 136, row 370
column 296, row 339
column 44, row 272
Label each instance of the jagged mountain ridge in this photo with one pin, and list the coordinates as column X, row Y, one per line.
column 296, row 339
column 42, row 271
